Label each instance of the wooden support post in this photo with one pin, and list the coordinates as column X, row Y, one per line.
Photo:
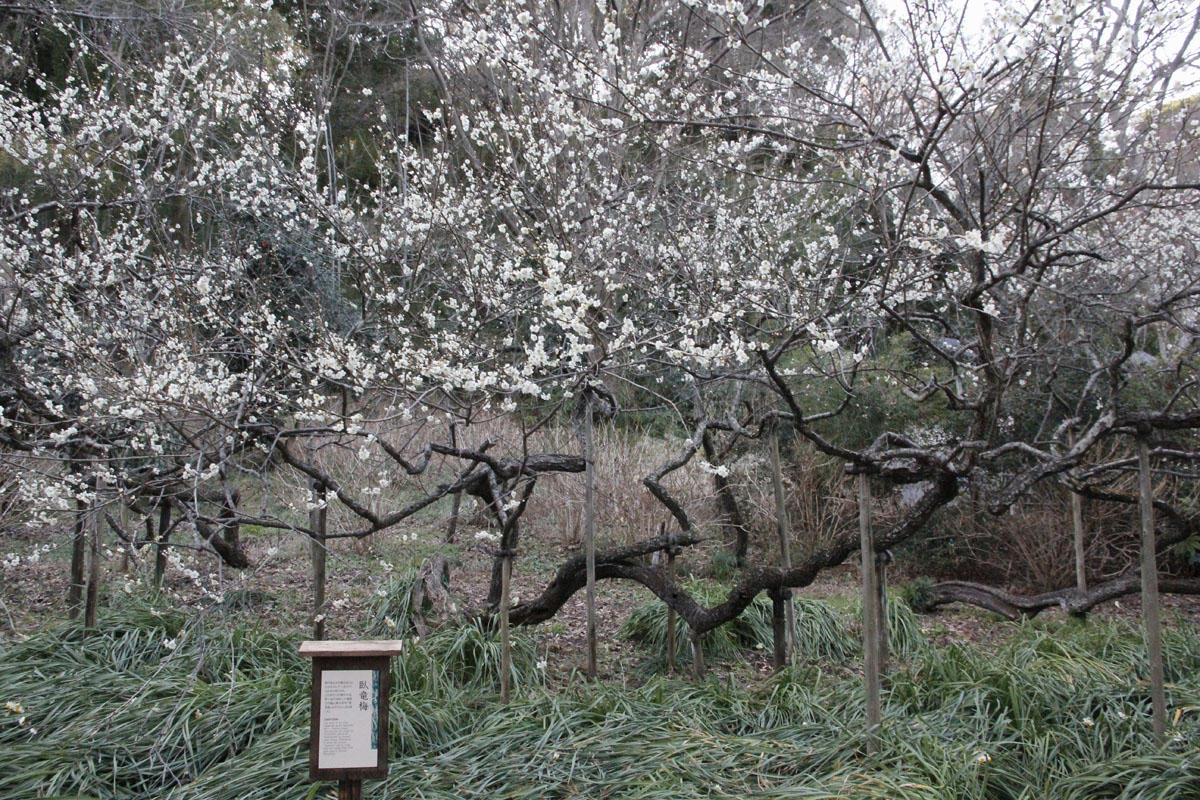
column 671, row 615
column 589, row 530
column 127, row 553
column 881, row 626
column 452, row 525
column 782, row 527
column 779, row 628
column 1150, row 611
column 317, row 520
column 160, row 542
column 1077, row 536
column 505, row 641
column 78, row 561
column 349, row 789
column 870, row 615
column 92, row 602
column 456, row 501
column 93, row 579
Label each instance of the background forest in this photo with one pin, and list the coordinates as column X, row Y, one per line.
column 568, row 339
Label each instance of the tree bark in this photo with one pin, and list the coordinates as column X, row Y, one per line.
column 1071, row 600
column 452, row 525
column 224, row 541
column 625, row 564
column 733, row 526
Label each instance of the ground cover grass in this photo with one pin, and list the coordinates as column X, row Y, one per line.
column 209, row 706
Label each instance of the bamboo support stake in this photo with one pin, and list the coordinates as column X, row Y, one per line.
column 1150, row 611
column 870, row 612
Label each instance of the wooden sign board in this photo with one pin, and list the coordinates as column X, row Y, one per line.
column 348, row 735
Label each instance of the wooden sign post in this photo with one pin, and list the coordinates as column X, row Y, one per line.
column 348, row 738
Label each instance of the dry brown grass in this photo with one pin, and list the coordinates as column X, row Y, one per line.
column 626, row 511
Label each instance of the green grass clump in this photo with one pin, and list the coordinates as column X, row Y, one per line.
column 469, row 656
column 150, row 700
column 647, row 625
column 905, row 638
column 821, row 633
column 207, row 707
column 390, row 612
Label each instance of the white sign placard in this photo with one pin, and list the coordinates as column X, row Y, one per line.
column 348, row 736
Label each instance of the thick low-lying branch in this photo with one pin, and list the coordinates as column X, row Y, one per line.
column 572, row 576
column 624, row 564
column 1073, row 601
column 1174, row 526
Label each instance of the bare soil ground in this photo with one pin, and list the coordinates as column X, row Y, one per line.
column 276, row 591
